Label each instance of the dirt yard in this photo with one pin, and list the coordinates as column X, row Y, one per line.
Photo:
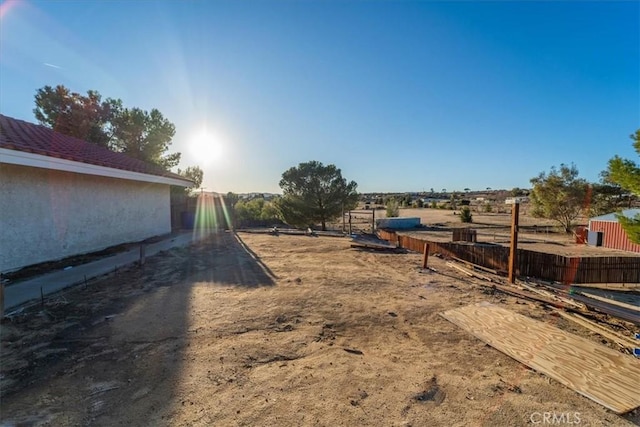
column 274, row 331
column 535, row 234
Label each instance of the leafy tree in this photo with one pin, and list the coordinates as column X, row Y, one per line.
column 315, row 193
column 393, row 209
column 419, row 203
column 195, row 174
column 145, row 136
column 255, row 210
column 139, row 134
column 559, row 195
column 465, row 214
column 517, row 192
column 605, row 198
column 626, row 173
column 246, row 210
column 269, row 211
column 84, row 117
column 487, row 207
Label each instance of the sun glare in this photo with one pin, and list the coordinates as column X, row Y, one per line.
column 206, row 146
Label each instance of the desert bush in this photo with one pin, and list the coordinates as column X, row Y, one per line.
column 487, row 207
column 465, row 214
column 393, row 210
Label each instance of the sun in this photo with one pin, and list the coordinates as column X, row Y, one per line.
column 206, row 146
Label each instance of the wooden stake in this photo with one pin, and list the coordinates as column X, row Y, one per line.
column 373, row 221
column 425, row 255
column 143, row 248
column 1, row 298
column 513, row 250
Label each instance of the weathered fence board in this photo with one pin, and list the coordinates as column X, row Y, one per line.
column 541, row 265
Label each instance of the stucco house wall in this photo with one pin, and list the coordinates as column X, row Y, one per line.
column 58, row 213
column 62, row 196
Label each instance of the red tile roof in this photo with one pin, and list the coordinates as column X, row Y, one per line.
column 31, row 138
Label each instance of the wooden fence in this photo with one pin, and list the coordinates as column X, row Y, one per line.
column 540, row 265
column 465, row 235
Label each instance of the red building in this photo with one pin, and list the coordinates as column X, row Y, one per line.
column 606, row 231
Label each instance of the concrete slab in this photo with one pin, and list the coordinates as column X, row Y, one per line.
column 31, row 289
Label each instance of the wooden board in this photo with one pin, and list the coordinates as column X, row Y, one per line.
column 598, row 329
column 371, row 243
column 597, row 372
column 612, row 301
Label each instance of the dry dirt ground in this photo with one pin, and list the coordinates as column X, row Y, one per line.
column 261, row 330
column 535, row 234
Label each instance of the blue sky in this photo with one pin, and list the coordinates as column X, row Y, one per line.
column 402, row 96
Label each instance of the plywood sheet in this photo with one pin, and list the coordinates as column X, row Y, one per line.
column 597, row 372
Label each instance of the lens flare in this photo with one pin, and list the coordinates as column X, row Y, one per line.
column 6, row 7
column 211, row 216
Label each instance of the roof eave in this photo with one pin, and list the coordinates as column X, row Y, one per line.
column 23, row 158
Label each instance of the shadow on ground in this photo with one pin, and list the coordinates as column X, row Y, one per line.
column 98, row 354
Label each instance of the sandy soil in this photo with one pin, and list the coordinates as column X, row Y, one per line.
column 279, row 331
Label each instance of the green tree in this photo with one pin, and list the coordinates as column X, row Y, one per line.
column 195, row 174
column 605, row 198
column 626, row 174
column 257, row 209
column 313, row 192
column 559, row 195
column 139, row 134
column 144, row 136
column 269, row 211
column 517, row 192
column 249, row 210
column 84, row 117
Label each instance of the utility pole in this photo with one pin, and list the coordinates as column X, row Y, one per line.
column 513, row 250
